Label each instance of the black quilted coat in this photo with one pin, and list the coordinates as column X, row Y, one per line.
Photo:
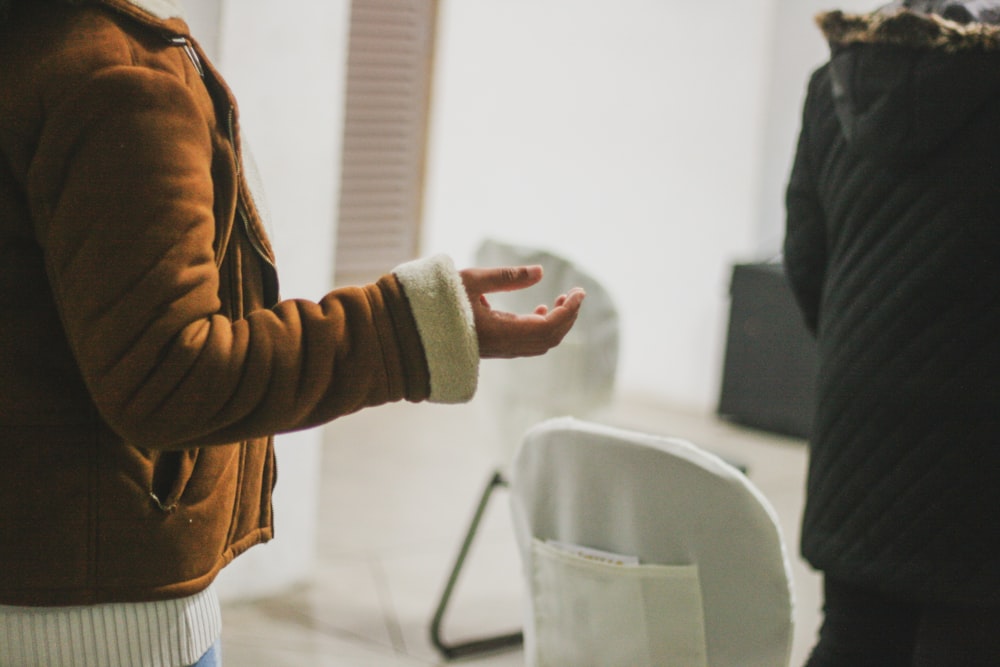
column 893, row 253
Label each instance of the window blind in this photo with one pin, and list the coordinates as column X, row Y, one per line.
column 389, row 67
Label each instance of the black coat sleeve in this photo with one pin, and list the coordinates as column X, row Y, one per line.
column 805, row 250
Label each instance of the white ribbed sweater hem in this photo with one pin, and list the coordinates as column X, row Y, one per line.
column 170, row 633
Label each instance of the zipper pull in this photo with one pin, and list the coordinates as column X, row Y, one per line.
column 183, row 42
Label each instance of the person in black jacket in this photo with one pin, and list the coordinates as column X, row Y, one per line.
column 892, row 250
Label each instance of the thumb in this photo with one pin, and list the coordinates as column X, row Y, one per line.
column 502, row 279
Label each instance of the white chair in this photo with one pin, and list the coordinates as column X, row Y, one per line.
column 712, row 585
column 576, row 378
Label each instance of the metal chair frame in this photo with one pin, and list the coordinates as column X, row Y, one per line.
column 476, row 646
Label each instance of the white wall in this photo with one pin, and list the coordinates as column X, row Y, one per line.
column 647, row 139
column 286, row 63
column 624, row 134
column 797, row 48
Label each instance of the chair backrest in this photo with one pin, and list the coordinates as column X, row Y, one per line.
column 575, row 378
column 712, row 585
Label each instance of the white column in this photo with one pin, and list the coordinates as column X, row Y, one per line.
column 286, row 61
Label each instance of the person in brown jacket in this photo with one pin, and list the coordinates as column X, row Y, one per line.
column 146, row 358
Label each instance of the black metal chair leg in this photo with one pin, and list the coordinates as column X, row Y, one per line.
column 476, row 646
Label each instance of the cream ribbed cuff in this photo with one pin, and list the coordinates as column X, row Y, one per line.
column 447, row 329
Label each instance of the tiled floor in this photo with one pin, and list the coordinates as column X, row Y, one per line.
column 399, row 486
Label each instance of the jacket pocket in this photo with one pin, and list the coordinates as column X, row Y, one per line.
column 171, row 473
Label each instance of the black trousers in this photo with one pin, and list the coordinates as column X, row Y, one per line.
column 864, row 628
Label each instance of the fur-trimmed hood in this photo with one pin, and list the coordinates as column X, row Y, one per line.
column 907, row 75
column 952, row 28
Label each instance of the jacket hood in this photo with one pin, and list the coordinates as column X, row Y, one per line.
column 906, row 76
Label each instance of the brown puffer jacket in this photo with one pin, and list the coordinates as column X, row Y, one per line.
column 145, row 358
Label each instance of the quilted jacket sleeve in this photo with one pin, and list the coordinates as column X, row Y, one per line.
column 805, row 235
column 121, row 189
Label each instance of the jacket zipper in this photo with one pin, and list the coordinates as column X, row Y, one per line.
column 181, row 41
column 240, row 204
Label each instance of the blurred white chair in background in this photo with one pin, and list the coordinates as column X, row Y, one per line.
column 576, row 378
column 645, row 551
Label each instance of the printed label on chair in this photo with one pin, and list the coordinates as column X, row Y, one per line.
column 595, row 554
column 590, row 613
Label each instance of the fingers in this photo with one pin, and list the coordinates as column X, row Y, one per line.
column 502, row 279
column 573, row 300
column 507, row 335
column 563, row 316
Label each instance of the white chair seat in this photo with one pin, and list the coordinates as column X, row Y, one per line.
column 712, row 584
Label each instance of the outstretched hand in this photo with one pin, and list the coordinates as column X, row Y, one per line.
column 507, row 335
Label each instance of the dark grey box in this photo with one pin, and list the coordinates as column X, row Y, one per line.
column 769, row 374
